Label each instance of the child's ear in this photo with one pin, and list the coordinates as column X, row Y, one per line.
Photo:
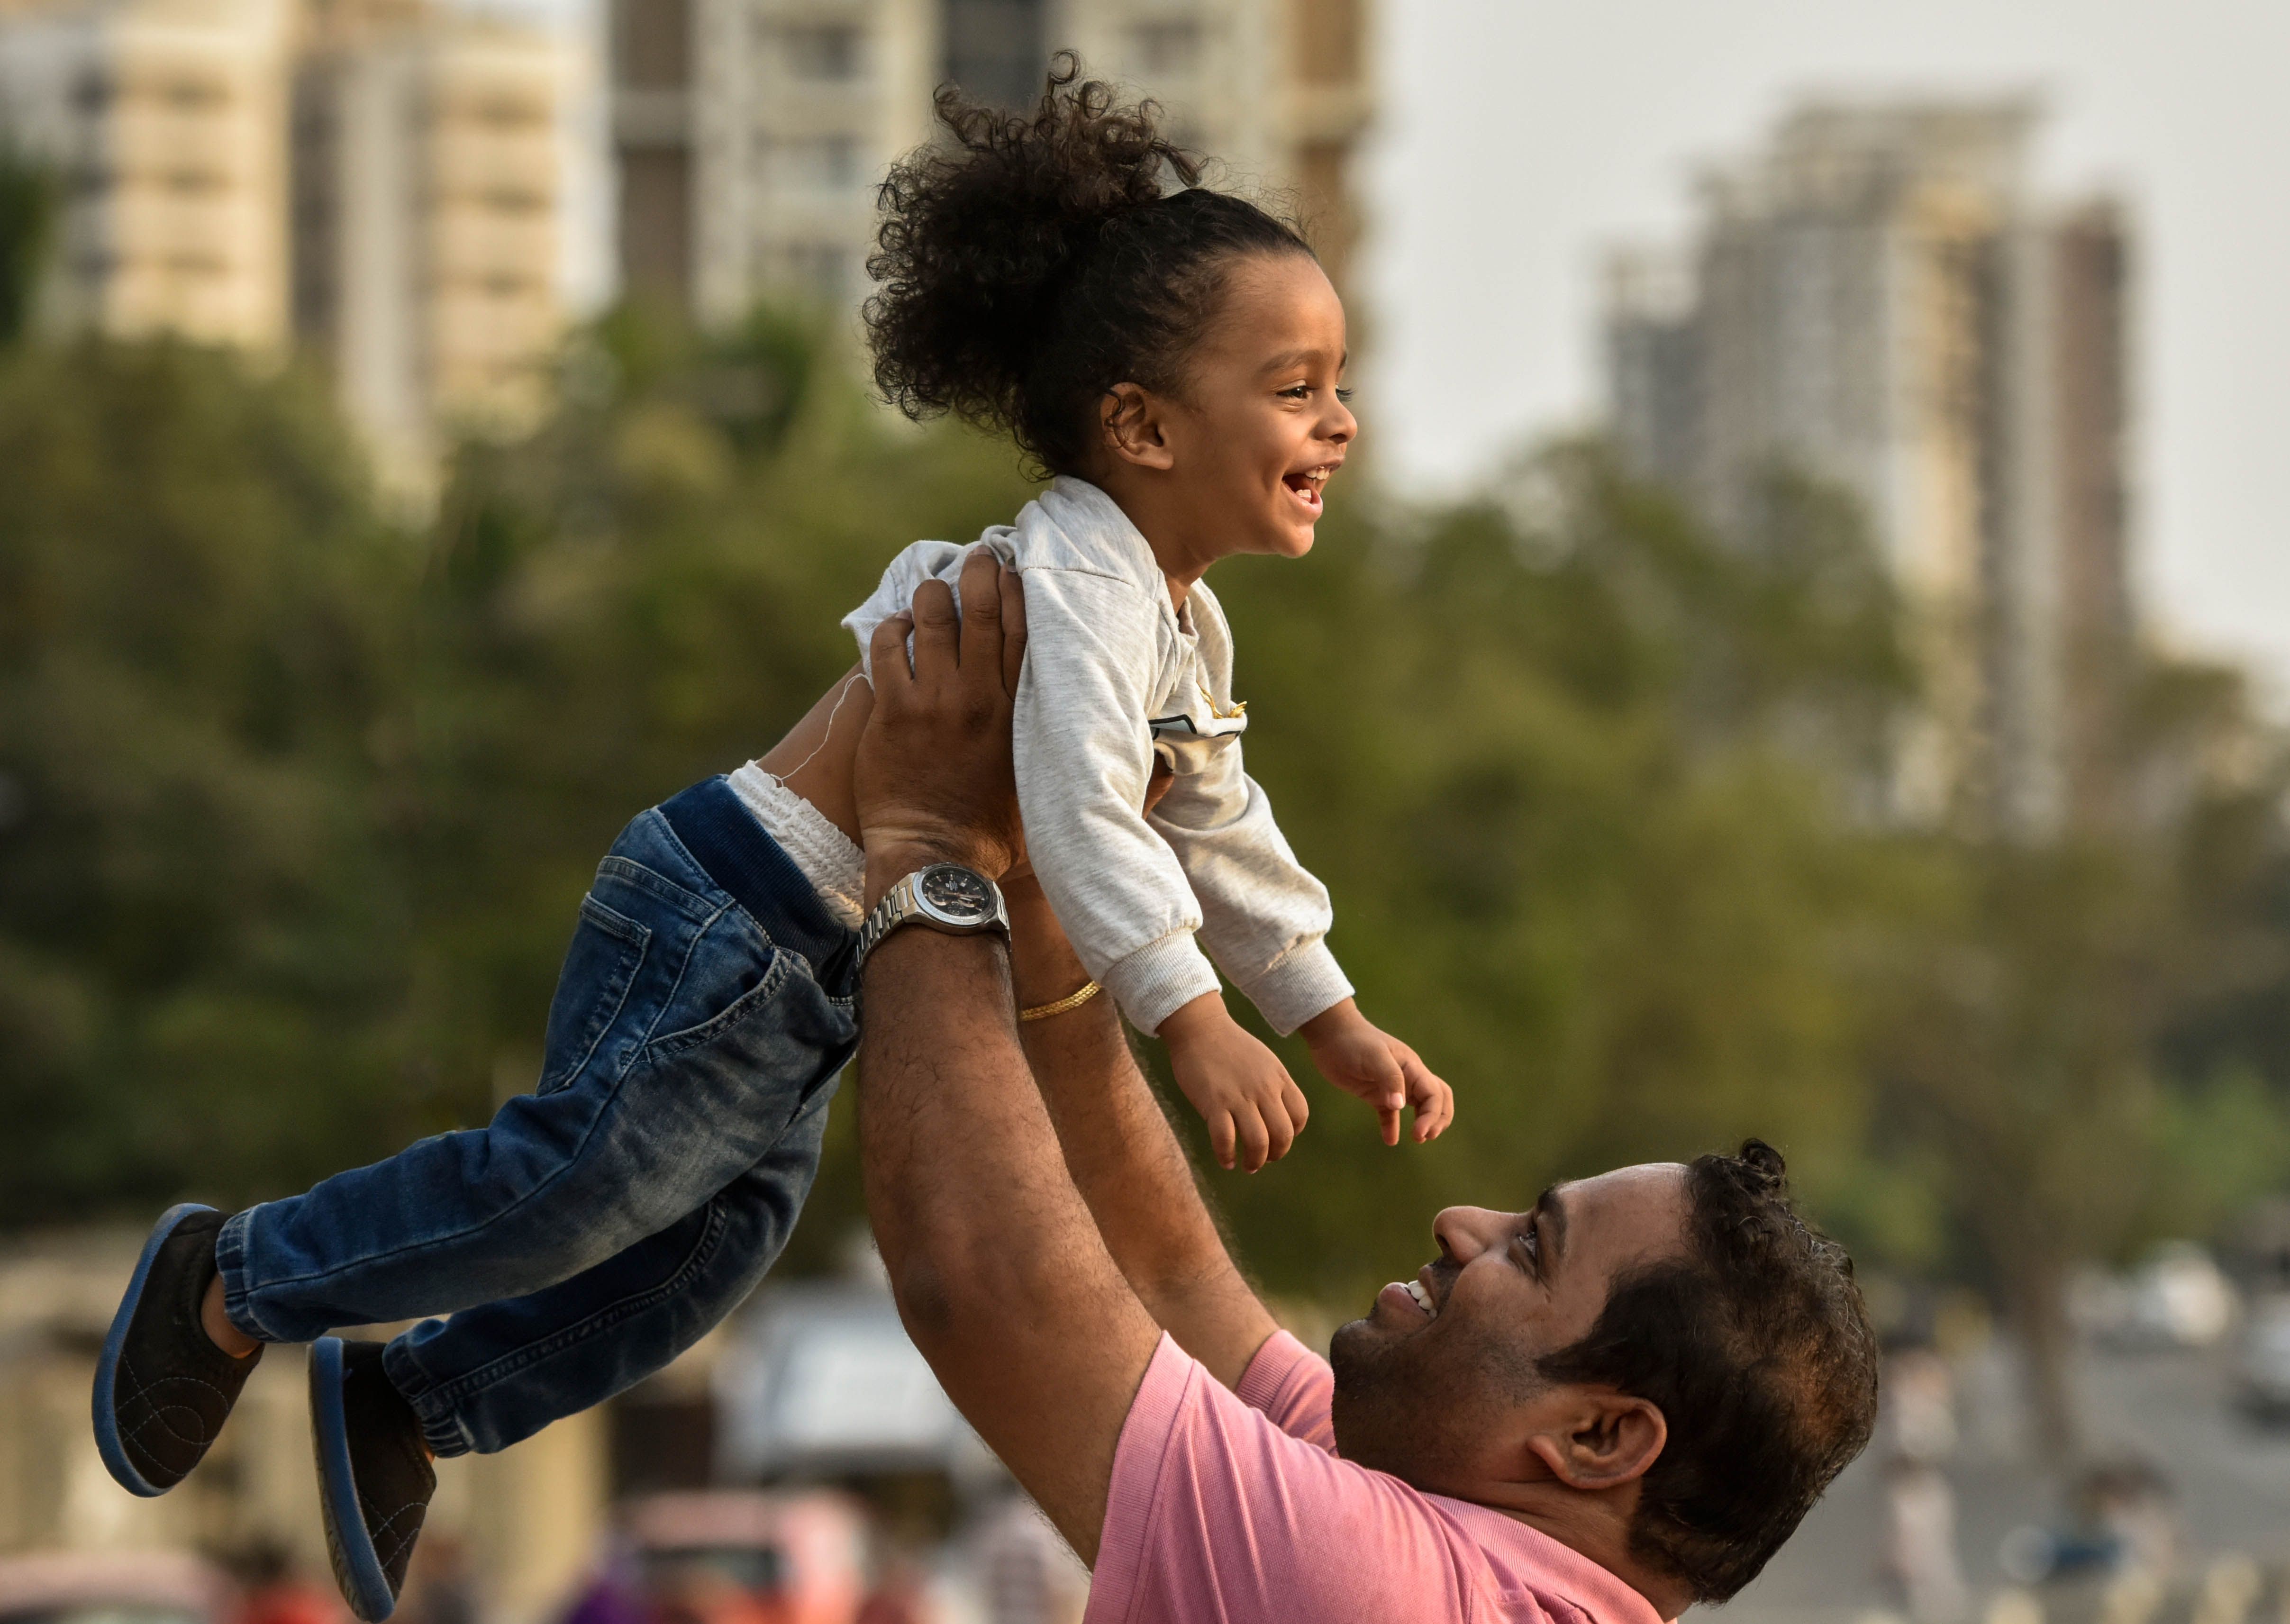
column 1134, row 431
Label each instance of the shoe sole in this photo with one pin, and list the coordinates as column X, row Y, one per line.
column 357, row 1567
column 107, row 1441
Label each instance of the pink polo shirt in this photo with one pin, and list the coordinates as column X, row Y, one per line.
column 1235, row 1508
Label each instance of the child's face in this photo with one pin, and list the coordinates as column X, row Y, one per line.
column 1259, row 425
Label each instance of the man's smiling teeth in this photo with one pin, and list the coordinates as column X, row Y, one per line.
column 1422, row 1299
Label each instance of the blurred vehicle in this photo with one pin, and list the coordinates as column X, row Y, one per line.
column 818, row 1379
column 740, row 1556
column 2177, row 1297
column 113, row 1587
column 2262, row 1372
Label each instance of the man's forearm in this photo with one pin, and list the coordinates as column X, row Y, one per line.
column 1000, row 1275
column 1124, row 1159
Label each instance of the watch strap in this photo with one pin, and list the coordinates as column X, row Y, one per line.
column 902, row 905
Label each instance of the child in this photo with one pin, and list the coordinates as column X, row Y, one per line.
column 601, row 1224
column 1174, row 362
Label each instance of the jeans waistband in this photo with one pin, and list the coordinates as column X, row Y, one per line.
column 739, row 855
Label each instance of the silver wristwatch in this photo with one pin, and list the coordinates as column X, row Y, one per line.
column 945, row 896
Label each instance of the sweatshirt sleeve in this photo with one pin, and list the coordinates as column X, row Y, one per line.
column 1083, row 756
column 1265, row 917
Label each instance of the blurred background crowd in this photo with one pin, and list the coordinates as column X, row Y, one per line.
column 428, row 436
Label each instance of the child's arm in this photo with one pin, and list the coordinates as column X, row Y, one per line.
column 1265, row 920
column 1265, row 917
column 1084, row 759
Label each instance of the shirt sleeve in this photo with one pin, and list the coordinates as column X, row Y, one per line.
column 1214, row 1512
column 1264, row 917
column 1294, row 1389
column 1083, row 756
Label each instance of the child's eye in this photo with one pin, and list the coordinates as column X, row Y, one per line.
column 1296, row 391
column 1343, row 392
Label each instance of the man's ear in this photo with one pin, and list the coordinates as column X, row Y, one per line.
column 1134, row 429
column 1603, row 1440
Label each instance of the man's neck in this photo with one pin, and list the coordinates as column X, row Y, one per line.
column 1591, row 1527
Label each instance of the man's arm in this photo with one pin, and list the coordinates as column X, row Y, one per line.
column 1000, row 1275
column 1124, row 1158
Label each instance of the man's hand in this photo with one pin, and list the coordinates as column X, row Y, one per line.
column 933, row 779
column 1363, row 1059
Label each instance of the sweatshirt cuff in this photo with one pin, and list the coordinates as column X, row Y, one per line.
column 1160, row 979
column 1299, row 986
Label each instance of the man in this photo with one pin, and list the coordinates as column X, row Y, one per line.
column 1614, row 1405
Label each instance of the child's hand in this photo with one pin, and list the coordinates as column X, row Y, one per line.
column 1252, row 1106
column 1358, row 1058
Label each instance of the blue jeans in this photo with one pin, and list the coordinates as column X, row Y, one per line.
column 603, row 1222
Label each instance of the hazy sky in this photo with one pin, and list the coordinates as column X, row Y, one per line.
column 1520, row 136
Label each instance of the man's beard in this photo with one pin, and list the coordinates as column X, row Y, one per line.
column 1415, row 1406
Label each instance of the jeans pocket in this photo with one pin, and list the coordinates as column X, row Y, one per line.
column 608, row 948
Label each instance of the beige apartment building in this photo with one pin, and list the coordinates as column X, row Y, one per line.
column 1877, row 299
column 163, row 121
column 428, row 222
column 750, row 134
column 380, row 181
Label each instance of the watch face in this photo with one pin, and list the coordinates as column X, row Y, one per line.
column 956, row 894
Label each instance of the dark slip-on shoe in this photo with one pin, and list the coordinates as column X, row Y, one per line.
column 163, row 1388
column 375, row 1475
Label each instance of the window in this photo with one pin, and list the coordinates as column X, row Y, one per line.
column 821, row 163
column 1171, row 48
column 190, row 95
column 829, row 53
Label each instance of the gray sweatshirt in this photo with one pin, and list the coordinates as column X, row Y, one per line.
column 1115, row 676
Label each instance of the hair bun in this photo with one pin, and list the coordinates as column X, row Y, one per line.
column 1765, row 1161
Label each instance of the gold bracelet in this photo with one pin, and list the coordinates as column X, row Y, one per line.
column 1071, row 1000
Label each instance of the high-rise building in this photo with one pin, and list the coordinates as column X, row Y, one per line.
column 379, row 181
column 1878, row 301
column 163, row 121
column 750, row 134
column 428, row 221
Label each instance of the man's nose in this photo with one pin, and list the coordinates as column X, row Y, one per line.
column 1463, row 1233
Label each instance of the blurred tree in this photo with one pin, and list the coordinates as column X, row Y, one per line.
column 2075, row 1028
column 201, row 648
column 26, row 214
column 296, row 809
column 1580, row 781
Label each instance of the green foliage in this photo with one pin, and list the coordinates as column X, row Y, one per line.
column 296, row 808
column 201, row 640
column 27, row 220
column 1575, row 790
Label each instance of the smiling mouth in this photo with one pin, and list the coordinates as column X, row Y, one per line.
column 1309, row 483
column 1416, row 1289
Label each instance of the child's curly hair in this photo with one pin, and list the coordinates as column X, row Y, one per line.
column 1034, row 261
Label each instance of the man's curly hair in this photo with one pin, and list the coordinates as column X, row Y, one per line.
column 1030, row 261
column 1757, row 1350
